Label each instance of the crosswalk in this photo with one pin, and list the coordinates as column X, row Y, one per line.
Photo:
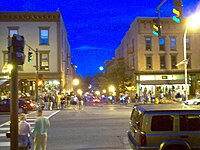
column 5, row 142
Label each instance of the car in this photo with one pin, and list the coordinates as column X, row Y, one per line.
column 192, row 102
column 164, row 127
column 96, row 100
column 23, row 106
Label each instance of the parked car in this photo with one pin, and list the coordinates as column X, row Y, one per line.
column 23, row 106
column 164, row 127
column 192, row 102
column 96, row 100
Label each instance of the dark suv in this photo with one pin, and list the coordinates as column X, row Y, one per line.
column 165, row 127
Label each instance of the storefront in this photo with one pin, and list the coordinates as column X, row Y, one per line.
column 157, row 84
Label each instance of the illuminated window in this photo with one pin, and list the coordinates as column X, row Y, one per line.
column 162, row 44
column 12, row 30
column 44, row 36
column 173, row 43
column 44, row 61
column 148, row 43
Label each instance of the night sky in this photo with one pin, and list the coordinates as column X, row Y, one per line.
column 96, row 27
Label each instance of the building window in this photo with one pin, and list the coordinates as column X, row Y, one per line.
column 133, row 45
column 162, row 62
column 173, row 61
column 148, row 43
column 44, row 61
column 12, row 30
column 148, row 62
column 188, row 43
column 162, row 44
column 189, row 61
column 44, row 36
column 173, row 43
column 5, row 57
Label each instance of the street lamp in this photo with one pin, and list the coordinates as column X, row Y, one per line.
column 112, row 89
column 76, row 82
column 193, row 22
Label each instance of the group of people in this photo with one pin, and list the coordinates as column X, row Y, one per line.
column 50, row 101
column 60, row 101
column 39, row 134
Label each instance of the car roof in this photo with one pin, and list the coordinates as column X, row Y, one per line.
column 166, row 107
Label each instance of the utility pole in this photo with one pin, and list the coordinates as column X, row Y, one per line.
column 15, row 57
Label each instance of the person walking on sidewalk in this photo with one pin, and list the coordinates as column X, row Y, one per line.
column 40, row 131
column 24, row 132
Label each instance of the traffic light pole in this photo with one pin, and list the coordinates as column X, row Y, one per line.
column 37, row 69
column 14, row 104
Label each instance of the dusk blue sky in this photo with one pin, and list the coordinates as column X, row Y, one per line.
column 96, row 27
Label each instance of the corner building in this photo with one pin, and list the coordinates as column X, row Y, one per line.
column 153, row 59
column 45, row 31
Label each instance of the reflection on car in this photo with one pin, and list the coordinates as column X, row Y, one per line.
column 192, row 102
column 24, row 106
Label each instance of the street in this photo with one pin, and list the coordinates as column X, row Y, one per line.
column 94, row 127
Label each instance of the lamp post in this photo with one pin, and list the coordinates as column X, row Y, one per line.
column 193, row 22
column 185, row 61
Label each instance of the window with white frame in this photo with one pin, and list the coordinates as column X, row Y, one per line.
column 44, row 61
column 44, row 35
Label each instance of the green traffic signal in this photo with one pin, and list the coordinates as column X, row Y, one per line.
column 156, row 27
column 177, row 11
column 30, row 56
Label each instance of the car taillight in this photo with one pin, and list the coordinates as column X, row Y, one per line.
column 31, row 104
column 143, row 139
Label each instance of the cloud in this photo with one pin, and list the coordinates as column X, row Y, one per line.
column 87, row 47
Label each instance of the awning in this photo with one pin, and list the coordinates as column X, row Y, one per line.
column 3, row 83
column 161, row 82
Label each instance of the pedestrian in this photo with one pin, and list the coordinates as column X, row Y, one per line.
column 58, row 101
column 24, row 130
column 40, row 131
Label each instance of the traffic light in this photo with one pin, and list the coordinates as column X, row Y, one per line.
column 18, row 44
column 177, row 10
column 30, row 56
column 156, row 27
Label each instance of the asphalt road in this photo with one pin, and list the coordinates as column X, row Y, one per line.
column 99, row 127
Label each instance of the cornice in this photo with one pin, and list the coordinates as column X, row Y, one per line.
column 29, row 16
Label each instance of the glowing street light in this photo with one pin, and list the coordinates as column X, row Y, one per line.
column 193, row 22
column 111, row 89
column 76, row 82
column 79, row 91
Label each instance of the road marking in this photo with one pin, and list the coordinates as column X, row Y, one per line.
column 53, row 114
column 2, row 129
column 3, row 144
column 30, row 120
column 6, row 123
column 2, row 135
